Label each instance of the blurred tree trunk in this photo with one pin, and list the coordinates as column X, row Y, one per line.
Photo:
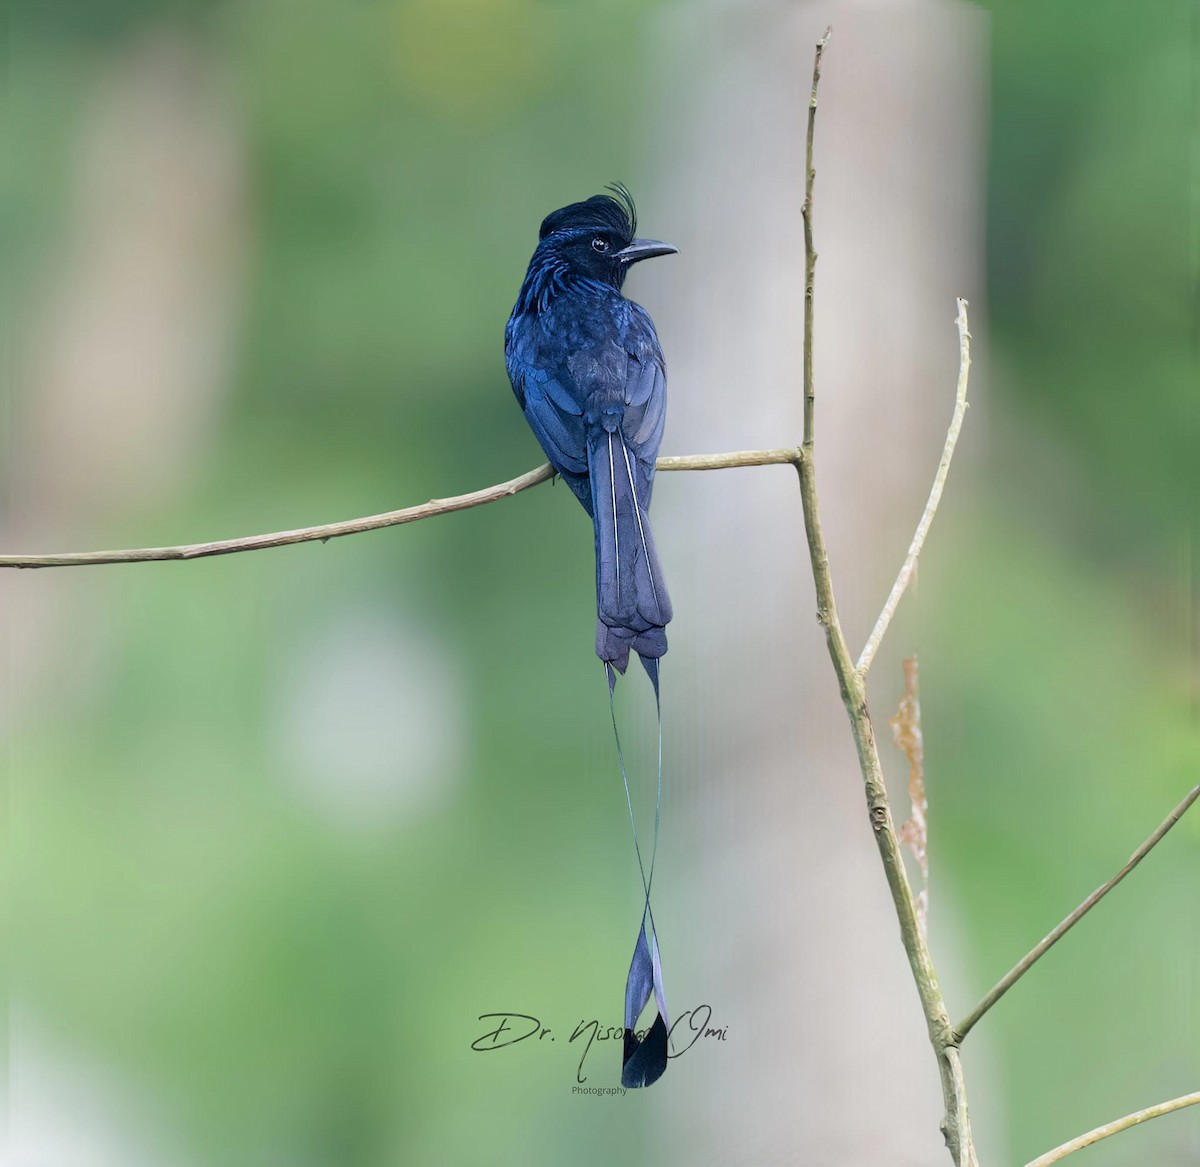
column 775, row 906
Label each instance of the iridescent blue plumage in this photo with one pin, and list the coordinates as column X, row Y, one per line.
column 589, row 375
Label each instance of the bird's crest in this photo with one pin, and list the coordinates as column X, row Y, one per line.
column 627, row 205
column 609, row 212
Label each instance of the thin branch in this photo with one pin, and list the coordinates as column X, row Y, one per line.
column 437, row 506
column 1113, row 1128
column 956, row 1125
column 935, row 496
column 810, row 255
column 910, row 741
column 1038, row 951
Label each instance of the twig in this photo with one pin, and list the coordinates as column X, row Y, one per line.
column 1038, row 951
column 437, row 506
column 956, row 1125
column 1113, row 1128
column 907, row 735
column 935, row 496
column 810, row 255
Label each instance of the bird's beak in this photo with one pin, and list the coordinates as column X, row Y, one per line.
column 644, row 249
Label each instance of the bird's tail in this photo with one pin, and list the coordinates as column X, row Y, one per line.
column 633, row 607
column 633, row 611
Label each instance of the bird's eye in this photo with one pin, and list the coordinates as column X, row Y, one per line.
column 600, row 245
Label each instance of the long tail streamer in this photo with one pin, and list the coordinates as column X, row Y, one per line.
column 645, row 1057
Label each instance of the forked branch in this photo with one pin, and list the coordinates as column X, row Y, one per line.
column 956, row 1124
column 851, row 676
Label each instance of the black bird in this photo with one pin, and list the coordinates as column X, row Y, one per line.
column 589, row 374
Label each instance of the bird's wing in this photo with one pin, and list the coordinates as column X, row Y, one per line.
column 512, row 331
column 645, row 396
column 545, row 397
column 645, row 405
column 560, row 432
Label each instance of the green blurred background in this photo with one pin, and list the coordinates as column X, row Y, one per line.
column 282, row 825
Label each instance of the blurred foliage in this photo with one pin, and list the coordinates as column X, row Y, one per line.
column 1058, row 616
column 273, row 986
column 1091, row 258
column 268, row 981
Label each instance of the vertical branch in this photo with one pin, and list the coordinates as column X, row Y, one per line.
column 956, row 1124
column 810, row 256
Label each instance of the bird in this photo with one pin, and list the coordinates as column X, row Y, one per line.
column 589, row 375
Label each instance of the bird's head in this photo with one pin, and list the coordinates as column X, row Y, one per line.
column 597, row 238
